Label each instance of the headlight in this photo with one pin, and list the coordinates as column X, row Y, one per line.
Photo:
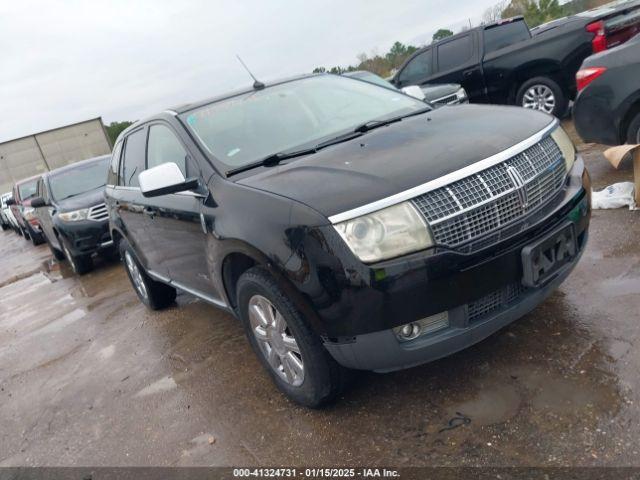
column 386, row 233
column 74, row 216
column 565, row 145
column 461, row 94
column 28, row 213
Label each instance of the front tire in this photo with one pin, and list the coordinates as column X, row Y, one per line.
column 155, row 295
column 288, row 349
column 80, row 264
column 543, row 94
column 57, row 254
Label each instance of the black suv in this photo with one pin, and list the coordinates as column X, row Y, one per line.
column 72, row 213
column 346, row 224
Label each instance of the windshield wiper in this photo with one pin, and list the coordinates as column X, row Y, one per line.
column 373, row 124
column 271, row 160
column 276, row 158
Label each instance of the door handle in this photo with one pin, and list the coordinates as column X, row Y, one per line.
column 468, row 73
column 149, row 211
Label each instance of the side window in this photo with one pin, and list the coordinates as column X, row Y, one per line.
column 165, row 147
column 112, row 174
column 417, row 69
column 133, row 159
column 454, row 53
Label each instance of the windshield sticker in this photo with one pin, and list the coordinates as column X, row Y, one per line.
column 192, row 120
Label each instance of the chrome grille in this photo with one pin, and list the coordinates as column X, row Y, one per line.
column 98, row 213
column 493, row 200
column 494, row 301
column 448, row 100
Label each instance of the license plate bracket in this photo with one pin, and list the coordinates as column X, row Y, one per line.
column 543, row 258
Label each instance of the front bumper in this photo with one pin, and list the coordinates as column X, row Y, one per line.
column 382, row 352
column 86, row 236
column 374, row 299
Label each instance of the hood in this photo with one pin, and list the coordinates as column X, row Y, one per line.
column 436, row 91
column 399, row 156
column 84, row 200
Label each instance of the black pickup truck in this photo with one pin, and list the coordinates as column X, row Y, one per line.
column 506, row 63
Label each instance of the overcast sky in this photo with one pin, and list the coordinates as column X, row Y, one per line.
column 65, row 61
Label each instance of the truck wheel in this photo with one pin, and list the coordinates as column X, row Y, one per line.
column 288, row 349
column 543, row 94
column 633, row 132
column 80, row 264
column 155, row 295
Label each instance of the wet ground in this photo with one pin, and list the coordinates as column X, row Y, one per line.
column 88, row 376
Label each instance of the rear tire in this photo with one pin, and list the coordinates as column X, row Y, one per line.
column 543, row 94
column 155, row 295
column 292, row 353
column 633, row 132
column 80, row 264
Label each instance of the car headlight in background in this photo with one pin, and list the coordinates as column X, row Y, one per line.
column 74, row 216
column 387, row 233
column 565, row 145
column 461, row 95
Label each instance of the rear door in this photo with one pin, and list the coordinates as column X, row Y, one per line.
column 457, row 60
column 175, row 222
column 126, row 197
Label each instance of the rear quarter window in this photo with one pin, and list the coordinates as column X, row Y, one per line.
column 133, row 160
column 112, row 174
column 501, row 36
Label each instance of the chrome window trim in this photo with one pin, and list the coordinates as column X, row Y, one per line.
column 446, row 179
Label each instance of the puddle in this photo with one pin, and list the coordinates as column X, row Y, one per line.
column 162, row 385
column 492, row 404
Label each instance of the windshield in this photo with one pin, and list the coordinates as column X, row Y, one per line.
column 252, row 126
column 28, row 189
column 83, row 178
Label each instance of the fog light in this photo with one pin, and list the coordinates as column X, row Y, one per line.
column 409, row 331
column 424, row 326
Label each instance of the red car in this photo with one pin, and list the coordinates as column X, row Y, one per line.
column 23, row 192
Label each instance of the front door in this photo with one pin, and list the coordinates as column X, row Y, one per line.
column 174, row 219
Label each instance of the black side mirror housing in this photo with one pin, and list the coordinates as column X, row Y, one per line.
column 9, row 202
column 38, row 202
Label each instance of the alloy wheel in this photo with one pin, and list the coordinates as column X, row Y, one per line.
column 276, row 340
column 539, row 97
column 136, row 276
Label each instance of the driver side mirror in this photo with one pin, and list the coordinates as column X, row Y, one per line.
column 9, row 202
column 38, row 202
column 164, row 179
column 414, row 91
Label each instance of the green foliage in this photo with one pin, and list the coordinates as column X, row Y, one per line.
column 535, row 12
column 114, row 129
column 381, row 65
column 442, row 33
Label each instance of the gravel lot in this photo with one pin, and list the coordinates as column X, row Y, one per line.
column 88, row 376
